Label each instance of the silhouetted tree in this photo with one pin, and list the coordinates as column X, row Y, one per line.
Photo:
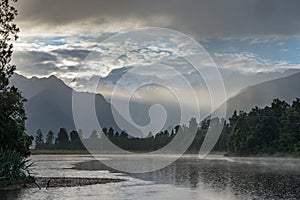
column 104, row 130
column 76, row 142
column 117, row 134
column 74, row 136
column 94, row 135
column 49, row 138
column 150, row 135
column 49, row 144
column 39, row 141
column 12, row 113
column 62, row 140
column 80, row 134
column 93, row 141
column 124, row 134
column 111, row 132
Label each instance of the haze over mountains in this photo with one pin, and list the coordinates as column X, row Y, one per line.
column 287, row 89
column 49, row 105
column 234, row 81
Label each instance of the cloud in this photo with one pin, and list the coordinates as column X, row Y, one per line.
column 73, row 53
column 247, row 62
column 200, row 18
column 40, row 63
column 57, row 35
column 33, row 62
column 33, row 56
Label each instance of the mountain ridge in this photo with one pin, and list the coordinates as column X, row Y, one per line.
column 49, row 105
column 286, row 88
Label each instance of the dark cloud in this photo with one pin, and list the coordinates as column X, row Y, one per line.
column 35, row 62
column 208, row 18
column 33, row 57
column 77, row 54
column 44, row 63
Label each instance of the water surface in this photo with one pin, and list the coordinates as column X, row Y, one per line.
column 188, row 178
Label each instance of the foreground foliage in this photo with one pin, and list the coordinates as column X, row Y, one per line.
column 14, row 168
column 14, row 142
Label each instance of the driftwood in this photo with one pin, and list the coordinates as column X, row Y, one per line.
column 48, row 183
column 37, row 185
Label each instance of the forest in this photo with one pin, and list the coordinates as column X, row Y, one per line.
column 274, row 129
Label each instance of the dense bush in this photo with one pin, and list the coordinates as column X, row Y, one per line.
column 13, row 167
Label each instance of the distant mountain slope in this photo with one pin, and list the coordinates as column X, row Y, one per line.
column 49, row 105
column 287, row 88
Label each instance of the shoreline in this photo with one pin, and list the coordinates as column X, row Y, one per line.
column 52, row 182
column 224, row 154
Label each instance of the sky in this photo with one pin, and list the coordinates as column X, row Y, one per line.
column 248, row 36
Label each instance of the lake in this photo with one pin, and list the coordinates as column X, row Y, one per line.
column 188, row 178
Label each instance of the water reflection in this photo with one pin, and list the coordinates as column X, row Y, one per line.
column 187, row 178
column 243, row 179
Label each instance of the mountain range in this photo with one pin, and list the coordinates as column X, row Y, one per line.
column 49, row 100
column 49, row 104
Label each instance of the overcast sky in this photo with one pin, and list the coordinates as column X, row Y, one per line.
column 245, row 35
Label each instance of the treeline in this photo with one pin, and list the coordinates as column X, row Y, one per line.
column 75, row 140
column 262, row 131
column 269, row 130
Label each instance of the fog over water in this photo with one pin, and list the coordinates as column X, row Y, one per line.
column 216, row 177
